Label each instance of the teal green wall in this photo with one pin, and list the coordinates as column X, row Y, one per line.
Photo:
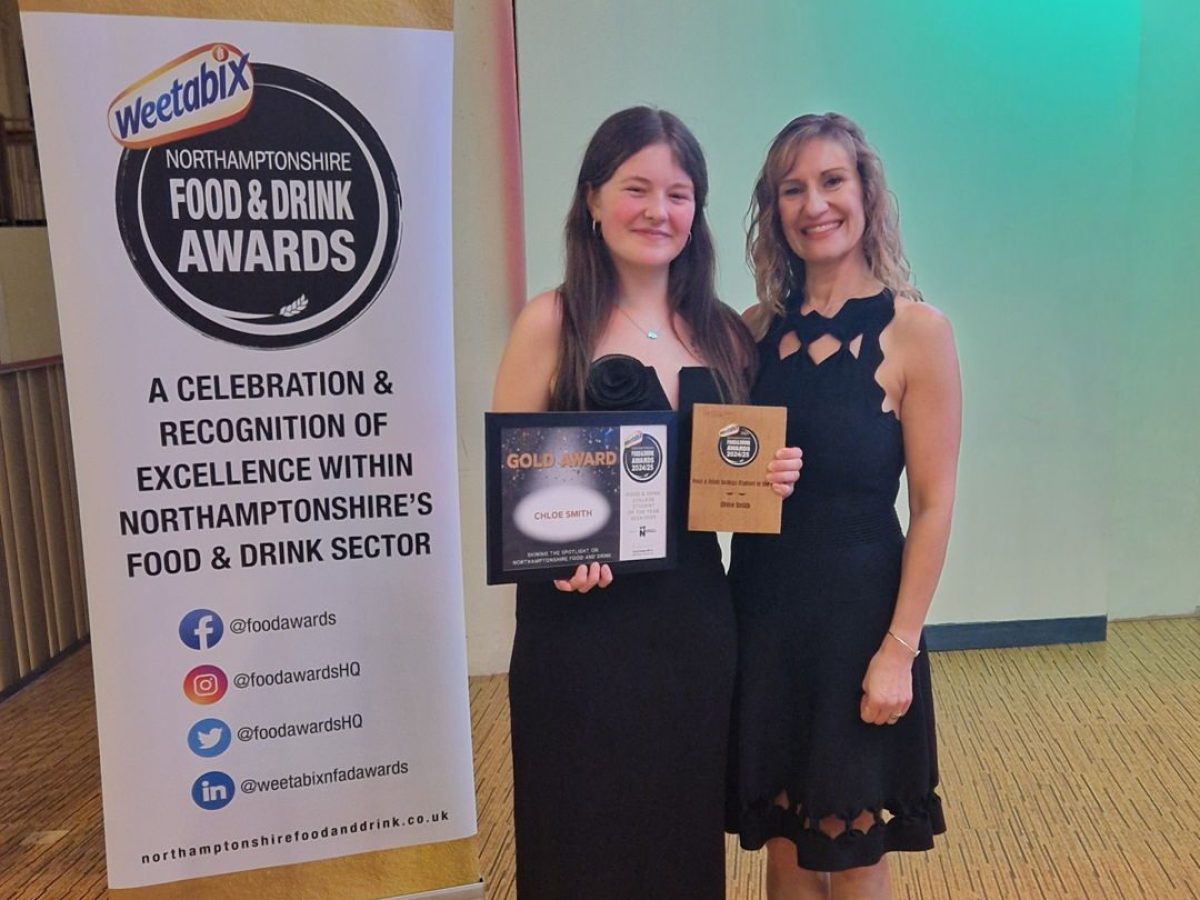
column 1036, row 150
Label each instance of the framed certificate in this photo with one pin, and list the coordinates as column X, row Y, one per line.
column 571, row 488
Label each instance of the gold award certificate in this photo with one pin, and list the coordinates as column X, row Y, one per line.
column 571, row 488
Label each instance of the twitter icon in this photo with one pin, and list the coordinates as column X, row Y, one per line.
column 209, row 737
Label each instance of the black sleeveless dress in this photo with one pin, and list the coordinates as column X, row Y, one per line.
column 813, row 605
column 620, row 704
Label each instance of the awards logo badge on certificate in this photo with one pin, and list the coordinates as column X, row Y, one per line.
column 571, row 488
column 731, row 447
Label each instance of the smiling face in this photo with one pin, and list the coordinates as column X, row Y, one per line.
column 820, row 204
column 645, row 210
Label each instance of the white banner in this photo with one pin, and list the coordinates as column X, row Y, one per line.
column 250, row 230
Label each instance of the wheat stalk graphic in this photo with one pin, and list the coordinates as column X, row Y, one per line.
column 294, row 308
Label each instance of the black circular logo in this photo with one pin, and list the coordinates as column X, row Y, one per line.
column 642, row 457
column 272, row 232
column 737, row 445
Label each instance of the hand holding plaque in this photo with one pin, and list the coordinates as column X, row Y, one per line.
column 731, row 449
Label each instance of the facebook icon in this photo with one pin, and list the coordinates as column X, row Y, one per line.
column 201, row 629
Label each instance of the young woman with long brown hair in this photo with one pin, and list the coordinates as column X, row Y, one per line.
column 620, row 699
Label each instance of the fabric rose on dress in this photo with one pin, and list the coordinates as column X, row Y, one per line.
column 620, row 382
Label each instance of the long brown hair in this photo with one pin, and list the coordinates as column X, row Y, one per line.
column 588, row 292
column 778, row 271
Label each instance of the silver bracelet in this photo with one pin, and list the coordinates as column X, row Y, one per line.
column 903, row 643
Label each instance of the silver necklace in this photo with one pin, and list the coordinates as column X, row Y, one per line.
column 649, row 332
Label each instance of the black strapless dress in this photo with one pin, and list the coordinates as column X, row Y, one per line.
column 813, row 605
column 620, row 704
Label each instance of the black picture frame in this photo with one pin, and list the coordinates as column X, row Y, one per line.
column 513, row 556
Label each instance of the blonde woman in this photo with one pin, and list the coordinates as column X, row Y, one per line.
column 836, row 761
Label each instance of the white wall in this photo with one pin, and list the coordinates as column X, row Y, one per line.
column 488, row 284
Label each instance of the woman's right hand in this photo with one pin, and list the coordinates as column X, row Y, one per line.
column 784, row 470
column 586, row 578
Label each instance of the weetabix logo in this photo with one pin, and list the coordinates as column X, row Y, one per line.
column 205, row 89
column 257, row 204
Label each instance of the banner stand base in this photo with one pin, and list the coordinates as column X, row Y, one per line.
column 466, row 892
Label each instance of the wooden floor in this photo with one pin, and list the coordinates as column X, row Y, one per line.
column 1068, row 772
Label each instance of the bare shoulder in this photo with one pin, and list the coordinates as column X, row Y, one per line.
column 925, row 345
column 527, row 367
column 542, row 313
column 539, row 324
column 922, row 325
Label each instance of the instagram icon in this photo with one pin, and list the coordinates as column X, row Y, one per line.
column 205, row 685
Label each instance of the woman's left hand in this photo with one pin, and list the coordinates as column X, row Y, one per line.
column 784, row 470
column 887, row 687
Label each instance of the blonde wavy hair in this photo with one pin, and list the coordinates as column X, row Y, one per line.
column 778, row 271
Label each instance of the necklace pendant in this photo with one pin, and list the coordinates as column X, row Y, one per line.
column 653, row 335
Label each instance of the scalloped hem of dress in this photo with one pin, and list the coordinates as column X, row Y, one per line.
column 912, row 827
